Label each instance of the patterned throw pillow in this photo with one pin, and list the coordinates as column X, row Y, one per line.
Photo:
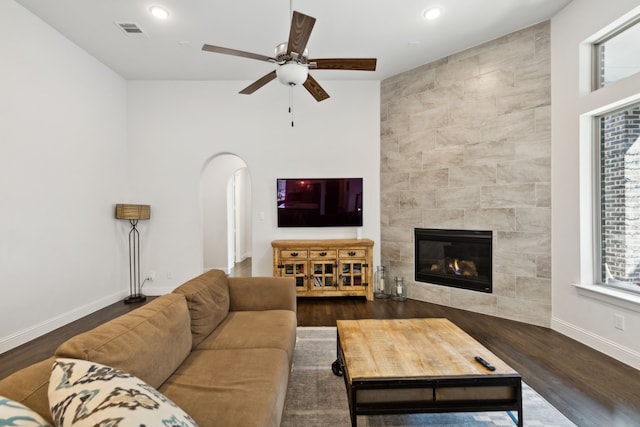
column 84, row 393
column 16, row 414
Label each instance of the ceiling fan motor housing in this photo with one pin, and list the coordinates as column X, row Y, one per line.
column 282, row 56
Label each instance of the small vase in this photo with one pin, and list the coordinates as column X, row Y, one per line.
column 380, row 283
column 399, row 291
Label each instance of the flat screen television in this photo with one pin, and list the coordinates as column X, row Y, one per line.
column 319, row 202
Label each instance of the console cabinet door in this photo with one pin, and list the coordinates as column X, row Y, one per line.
column 323, row 275
column 353, row 270
column 297, row 270
column 293, row 263
column 322, row 264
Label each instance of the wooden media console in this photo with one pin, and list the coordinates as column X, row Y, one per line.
column 338, row 267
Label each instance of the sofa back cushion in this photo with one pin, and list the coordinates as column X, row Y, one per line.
column 149, row 342
column 208, row 300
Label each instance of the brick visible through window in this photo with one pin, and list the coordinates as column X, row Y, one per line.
column 620, row 195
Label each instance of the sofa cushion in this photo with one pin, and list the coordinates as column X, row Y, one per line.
column 231, row 387
column 255, row 329
column 262, row 293
column 83, row 393
column 13, row 413
column 208, row 300
column 29, row 387
column 149, row 342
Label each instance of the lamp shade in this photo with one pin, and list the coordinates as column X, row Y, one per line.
column 133, row 211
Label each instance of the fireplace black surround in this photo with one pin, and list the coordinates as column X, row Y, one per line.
column 456, row 258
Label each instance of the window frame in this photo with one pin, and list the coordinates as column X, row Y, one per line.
column 596, row 76
column 597, row 172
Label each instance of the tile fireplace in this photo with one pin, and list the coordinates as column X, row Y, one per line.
column 456, row 258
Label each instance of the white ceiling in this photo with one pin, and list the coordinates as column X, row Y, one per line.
column 393, row 31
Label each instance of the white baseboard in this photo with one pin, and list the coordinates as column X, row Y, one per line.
column 21, row 337
column 603, row 345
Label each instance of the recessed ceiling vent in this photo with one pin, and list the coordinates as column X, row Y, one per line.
column 131, row 29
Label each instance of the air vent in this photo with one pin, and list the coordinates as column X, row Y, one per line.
column 131, row 29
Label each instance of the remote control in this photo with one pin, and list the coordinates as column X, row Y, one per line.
column 484, row 363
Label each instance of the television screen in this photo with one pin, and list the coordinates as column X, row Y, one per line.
column 319, row 202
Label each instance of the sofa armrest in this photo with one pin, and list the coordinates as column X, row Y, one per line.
column 30, row 386
column 262, row 293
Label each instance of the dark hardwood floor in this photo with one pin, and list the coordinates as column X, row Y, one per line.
column 591, row 389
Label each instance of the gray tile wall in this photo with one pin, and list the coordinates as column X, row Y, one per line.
column 466, row 144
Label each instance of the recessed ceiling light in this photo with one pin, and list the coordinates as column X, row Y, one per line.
column 159, row 12
column 432, row 13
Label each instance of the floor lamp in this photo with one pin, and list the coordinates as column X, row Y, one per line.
column 134, row 213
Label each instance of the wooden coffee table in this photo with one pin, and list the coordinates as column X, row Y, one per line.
column 420, row 365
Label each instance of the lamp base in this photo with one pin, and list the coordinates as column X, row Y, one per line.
column 135, row 298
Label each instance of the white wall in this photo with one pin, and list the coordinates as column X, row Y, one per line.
column 243, row 215
column 63, row 167
column 175, row 127
column 215, row 180
column 577, row 312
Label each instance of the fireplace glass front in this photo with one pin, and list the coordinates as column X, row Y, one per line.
column 456, row 258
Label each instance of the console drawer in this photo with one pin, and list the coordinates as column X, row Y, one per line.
column 300, row 254
column 352, row 253
column 322, row 253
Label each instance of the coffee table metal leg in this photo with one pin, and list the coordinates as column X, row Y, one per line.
column 352, row 407
column 336, row 366
column 338, row 369
column 519, row 397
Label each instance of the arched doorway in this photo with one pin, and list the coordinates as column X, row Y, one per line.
column 226, row 207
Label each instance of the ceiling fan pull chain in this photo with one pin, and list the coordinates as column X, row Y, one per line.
column 291, row 103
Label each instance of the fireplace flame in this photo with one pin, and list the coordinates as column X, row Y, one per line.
column 455, row 266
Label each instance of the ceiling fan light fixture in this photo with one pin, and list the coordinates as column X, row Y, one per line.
column 292, row 73
column 433, row 13
column 159, row 12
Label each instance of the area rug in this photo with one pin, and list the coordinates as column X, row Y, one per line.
column 316, row 397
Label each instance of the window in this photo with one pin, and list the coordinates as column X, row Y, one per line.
column 619, row 198
column 618, row 55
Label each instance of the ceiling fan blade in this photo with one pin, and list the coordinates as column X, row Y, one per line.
column 315, row 89
column 234, row 52
column 258, row 83
column 301, row 26
column 358, row 64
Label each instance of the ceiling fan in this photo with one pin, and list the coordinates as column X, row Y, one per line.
column 293, row 61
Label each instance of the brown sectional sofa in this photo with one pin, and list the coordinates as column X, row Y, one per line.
column 221, row 348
